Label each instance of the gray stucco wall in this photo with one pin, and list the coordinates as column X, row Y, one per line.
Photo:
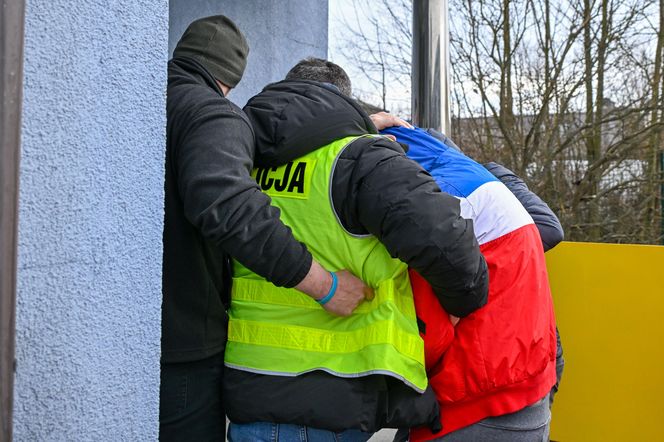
column 280, row 33
column 91, row 218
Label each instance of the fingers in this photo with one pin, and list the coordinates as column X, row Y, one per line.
column 369, row 294
column 399, row 122
column 350, row 293
column 384, row 120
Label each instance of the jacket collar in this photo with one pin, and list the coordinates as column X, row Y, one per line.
column 197, row 72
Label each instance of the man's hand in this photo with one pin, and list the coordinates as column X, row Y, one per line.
column 454, row 320
column 350, row 290
column 383, row 120
column 350, row 293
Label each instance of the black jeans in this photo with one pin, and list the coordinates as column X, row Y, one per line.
column 190, row 406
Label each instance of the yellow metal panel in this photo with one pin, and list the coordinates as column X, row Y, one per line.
column 609, row 301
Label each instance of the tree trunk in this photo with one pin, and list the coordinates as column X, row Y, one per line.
column 653, row 222
column 589, row 189
column 506, row 99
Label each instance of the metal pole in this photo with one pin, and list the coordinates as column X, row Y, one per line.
column 430, row 67
column 11, row 76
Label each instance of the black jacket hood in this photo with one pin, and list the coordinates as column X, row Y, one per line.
column 294, row 117
column 186, row 69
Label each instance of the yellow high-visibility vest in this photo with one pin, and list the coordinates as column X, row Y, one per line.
column 280, row 331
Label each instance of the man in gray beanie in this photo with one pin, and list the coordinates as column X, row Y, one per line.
column 214, row 210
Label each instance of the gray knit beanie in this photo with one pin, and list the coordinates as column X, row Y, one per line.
column 217, row 44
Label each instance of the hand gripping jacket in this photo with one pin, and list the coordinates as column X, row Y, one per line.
column 283, row 332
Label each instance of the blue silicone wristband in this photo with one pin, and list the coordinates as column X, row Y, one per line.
column 333, row 290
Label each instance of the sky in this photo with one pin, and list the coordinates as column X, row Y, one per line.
column 398, row 94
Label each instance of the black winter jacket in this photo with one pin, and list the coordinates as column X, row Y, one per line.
column 213, row 210
column 376, row 190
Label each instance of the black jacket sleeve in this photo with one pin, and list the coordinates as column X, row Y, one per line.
column 213, row 165
column 376, row 189
column 550, row 229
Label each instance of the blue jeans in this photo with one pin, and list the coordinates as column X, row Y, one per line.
column 269, row 432
column 530, row 424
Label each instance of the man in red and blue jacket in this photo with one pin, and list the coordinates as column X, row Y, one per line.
column 493, row 372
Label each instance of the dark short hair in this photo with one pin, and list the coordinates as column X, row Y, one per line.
column 317, row 69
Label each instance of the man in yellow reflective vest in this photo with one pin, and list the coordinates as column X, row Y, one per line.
column 358, row 203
